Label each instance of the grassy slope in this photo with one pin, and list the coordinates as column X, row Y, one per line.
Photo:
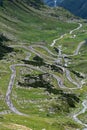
column 28, row 25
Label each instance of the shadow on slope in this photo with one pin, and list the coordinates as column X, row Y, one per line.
column 3, row 48
column 41, row 81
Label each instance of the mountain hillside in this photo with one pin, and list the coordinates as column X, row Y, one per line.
column 77, row 7
column 52, row 2
column 18, row 18
column 43, row 67
column 29, row 2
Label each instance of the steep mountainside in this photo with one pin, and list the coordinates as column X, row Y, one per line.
column 52, row 2
column 77, row 7
column 43, row 67
column 34, row 3
column 18, row 18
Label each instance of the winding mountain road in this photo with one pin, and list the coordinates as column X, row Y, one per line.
column 55, row 40
column 75, row 116
column 78, row 48
column 45, row 48
column 71, row 80
column 8, row 93
column 59, row 80
column 11, row 83
column 80, row 25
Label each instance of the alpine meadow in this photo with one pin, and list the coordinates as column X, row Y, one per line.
column 43, row 67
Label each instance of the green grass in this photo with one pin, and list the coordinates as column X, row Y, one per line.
column 25, row 25
column 29, row 26
column 69, row 44
column 32, row 122
column 80, row 60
